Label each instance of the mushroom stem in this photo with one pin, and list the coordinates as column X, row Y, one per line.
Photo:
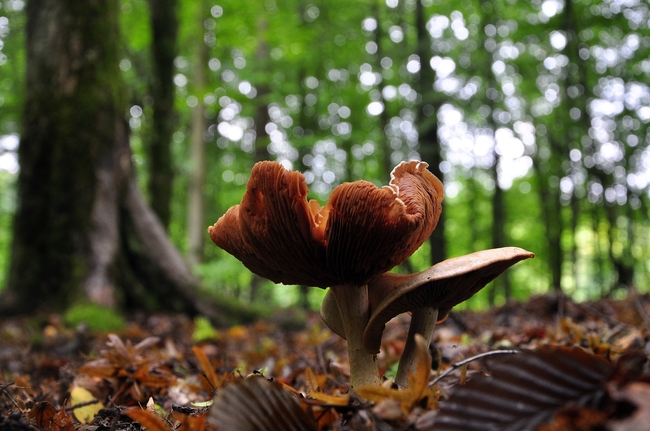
column 353, row 305
column 423, row 321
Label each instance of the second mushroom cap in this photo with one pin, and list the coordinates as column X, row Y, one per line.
column 441, row 286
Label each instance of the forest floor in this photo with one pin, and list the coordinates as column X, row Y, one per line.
column 583, row 367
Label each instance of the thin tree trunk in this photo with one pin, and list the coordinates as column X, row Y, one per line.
column 261, row 119
column 384, row 149
column 553, row 223
column 577, row 129
column 164, row 25
column 196, row 198
column 498, row 206
column 427, row 126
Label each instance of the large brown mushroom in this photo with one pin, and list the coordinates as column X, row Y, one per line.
column 361, row 232
column 429, row 295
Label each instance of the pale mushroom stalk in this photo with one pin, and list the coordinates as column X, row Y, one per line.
column 423, row 322
column 353, row 307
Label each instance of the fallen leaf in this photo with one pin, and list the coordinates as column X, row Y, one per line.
column 206, row 366
column 256, row 404
column 48, row 419
column 148, row 419
column 311, row 380
column 86, row 413
column 525, row 390
column 418, row 384
column 331, row 400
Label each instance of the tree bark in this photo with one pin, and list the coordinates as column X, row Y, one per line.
column 82, row 227
column 386, row 165
column 196, row 198
column 164, row 25
column 498, row 207
column 430, row 147
column 262, row 139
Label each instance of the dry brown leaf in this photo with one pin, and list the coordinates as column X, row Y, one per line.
column 48, row 419
column 254, row 404
column 311, row 380
column 206, row 366
column 331, row 400
column 418, row 384
column 150, row 420
column 525, row 390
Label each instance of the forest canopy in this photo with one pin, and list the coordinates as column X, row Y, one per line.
column 534, row 114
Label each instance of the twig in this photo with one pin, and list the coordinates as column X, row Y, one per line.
column 612, row 332
column 468, row 360
column 594, row 312
column 3, row 388
column 641, row 311
column 83, row 404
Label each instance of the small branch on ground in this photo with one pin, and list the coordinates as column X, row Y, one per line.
column 459, row 364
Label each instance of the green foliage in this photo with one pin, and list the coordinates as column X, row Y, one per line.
column 7, row 207
column 546, row 100
column 97, row 318
column 203, row 330
column 226, row 274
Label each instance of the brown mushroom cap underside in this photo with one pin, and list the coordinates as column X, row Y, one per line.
column 362, row 231
column 442, row 286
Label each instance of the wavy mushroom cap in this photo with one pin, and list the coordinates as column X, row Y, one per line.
column 441, row 286
column 362, row 231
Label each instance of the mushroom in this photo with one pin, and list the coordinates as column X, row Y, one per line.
column 429, row 295
column 362, row 231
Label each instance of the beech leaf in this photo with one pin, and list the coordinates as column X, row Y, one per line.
column 256, row 404
column 525, row 390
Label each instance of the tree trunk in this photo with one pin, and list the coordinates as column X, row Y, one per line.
column 82, row 227
column 262, row 139
column 551, row 213
column 430, row 147
column 164, row 25
column 196, row 198
column 386, row 165
column 498, row 207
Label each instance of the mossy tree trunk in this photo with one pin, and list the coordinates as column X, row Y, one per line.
column 82, row 228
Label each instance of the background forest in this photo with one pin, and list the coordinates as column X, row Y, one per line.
column 534, row 114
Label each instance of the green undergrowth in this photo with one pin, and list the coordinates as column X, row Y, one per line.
column 97, row 318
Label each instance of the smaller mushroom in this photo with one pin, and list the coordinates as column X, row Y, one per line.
column 430, row 295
